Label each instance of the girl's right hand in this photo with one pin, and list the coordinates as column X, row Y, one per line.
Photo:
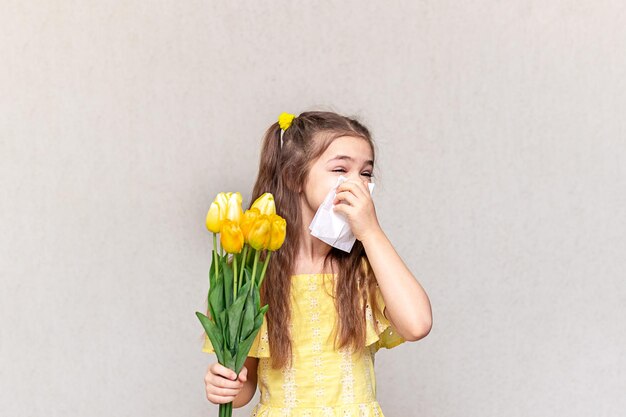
column 222, row 384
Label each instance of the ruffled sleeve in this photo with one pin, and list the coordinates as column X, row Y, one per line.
column 260, row 346
column 380, row 332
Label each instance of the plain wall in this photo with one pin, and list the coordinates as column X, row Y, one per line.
column 501, row 151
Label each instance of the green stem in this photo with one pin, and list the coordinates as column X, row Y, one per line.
column 243, row 260
column 257, row 253
column 235, row 286
column 267, row 261
column 217, row 269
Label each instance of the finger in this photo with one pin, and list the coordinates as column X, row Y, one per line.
column 344, row 209
column 220, row 381
column 243, row 375
column 365, row 191
column 361, row 190
column 220, row 369
column 222, row 392
column 347, row 197
column 354, row 187
column 216, row 399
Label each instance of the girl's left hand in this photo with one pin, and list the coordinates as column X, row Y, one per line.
column 353, row 200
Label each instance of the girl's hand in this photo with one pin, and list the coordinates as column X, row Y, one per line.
column 222, row 384
column 353, row 200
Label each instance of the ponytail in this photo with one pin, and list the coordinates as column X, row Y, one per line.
column 269, row 174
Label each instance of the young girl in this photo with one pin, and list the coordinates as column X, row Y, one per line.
column 330, row 311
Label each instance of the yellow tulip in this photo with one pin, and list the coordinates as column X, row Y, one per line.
column 278, row 232
column 224, row 206
column 231, row 236
column 247, row 220
column 213, row 218
column 259, row 234
column 237, row 194
column 233, row 209
column 265, row 204
column 222, row 199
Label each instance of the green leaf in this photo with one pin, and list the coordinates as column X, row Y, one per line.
column 216, row 299
column 244, row 349
column 214, row 335
column 247, row 272
column 248, row 317
column 229, row 360
column 246, row 344
column 257, row 297
column 228, row 276
column 212, row 275
column 235, row 313
column 223, row 327
column 212, row 284
column 258, row 319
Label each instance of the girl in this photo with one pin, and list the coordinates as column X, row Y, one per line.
column 329, row 311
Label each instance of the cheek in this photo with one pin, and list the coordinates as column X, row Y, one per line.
column 319, row 186
column 317, row 198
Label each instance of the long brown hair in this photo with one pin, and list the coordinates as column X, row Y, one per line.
column 282, row 171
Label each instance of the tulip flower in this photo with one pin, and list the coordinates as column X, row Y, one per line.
column 234, row 315
column 247, row 220
column 224, row 206
column 233, row 209
column 265, row 204
column 213, row 219
column 259, row 235
column 231, row 236
column 278, row 232
column 222, row 199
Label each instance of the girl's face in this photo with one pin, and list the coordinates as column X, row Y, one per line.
column 348, row 156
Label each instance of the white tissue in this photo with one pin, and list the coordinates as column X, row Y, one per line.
column 330, row 226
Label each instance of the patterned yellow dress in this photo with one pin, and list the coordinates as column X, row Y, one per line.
column 322, row 381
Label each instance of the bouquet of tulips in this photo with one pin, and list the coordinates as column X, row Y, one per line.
column 235, row 314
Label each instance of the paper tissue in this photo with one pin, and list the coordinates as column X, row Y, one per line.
column 330, row 226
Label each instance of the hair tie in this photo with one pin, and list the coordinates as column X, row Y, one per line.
column 284, row 121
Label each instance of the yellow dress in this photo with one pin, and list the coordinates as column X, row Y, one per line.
column 322, row 381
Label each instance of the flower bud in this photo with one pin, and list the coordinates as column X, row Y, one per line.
column 265, row 204
column 213, row 218
column 259, row 234
column 231, row 236
column 278, row 232
column 233, row 210
column 247, row 221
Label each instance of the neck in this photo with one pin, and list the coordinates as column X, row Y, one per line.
column 312, row 251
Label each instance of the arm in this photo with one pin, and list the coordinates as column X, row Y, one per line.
column 249, row 387
column 407, row 305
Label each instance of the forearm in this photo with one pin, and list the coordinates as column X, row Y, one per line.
column 408, row 306
column 245, row 395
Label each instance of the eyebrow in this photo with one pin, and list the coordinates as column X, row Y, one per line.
column 349, row 158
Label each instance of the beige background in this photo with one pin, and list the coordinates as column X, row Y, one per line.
column 501, row 146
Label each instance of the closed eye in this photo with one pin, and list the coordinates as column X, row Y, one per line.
column 343, row 170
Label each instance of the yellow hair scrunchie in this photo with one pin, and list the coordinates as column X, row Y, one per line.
column 285, row 119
